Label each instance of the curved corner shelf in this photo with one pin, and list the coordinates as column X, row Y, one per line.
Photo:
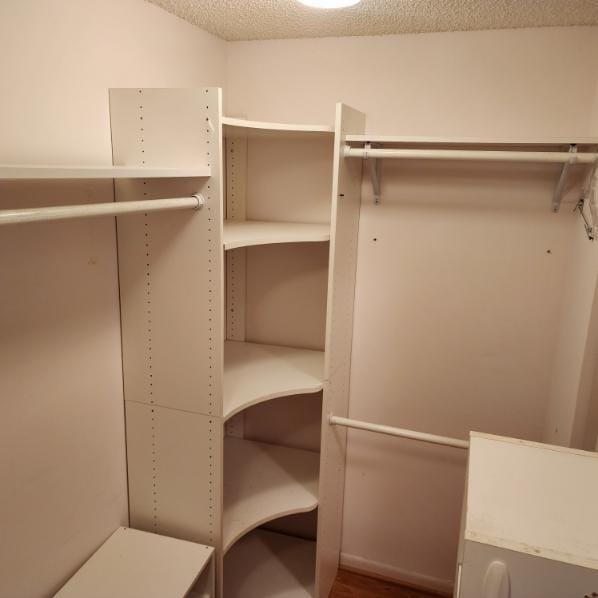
column 254, row 232
column 254, row 373
column 269, row 565
column 263, row 482
column 252, row 128
column 29, row 171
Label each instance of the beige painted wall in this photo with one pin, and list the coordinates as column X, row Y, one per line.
column 62, row 454
column 459, row 301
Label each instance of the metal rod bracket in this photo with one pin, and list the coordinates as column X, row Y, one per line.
column 562, row 182
column 374, row 170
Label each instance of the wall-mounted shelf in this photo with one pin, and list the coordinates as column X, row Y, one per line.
column 24, row 171
column 263, row 482
column 254, row 373
column 523, row 141
column 140, row 564
column 268, row 565
column 252, row 232
column 241, row 127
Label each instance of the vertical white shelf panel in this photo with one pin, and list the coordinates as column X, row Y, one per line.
column 174, row 460
column 136, row 564
column 171, row 284
column 270, row 565
column 346, row 202
column 170, row 265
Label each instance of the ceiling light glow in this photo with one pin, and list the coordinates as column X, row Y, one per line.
column 330, row 3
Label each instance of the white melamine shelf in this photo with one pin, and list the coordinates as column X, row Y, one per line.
column 529, row 141
column 253, row 232
column 263, row 482
column 139, row 564
column 24, row 171
column 254, row 373
column 269, row 565
column 239, row 126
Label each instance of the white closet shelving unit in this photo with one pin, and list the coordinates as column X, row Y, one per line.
column 278, row 235
column 241, row 309
column 233, row 314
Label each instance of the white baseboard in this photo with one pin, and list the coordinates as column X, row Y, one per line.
column 425, row 582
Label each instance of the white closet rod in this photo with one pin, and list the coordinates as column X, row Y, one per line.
column 334, row 420
column 99, row 209
column 483, row 155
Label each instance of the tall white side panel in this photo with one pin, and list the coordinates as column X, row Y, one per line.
column 171, row 272
column 171, row 285
column 346, row 200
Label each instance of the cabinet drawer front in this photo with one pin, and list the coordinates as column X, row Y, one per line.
column 529, row 576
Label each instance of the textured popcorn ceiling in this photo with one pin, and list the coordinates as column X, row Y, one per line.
column 275, row 19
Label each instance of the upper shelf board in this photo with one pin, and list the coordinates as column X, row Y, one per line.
column 139, row 564
column 25, row 171
column 502, row 141
column 254, row 373
column 252, row 232
column 269, row 564
column 263, row 482
column 238, row 127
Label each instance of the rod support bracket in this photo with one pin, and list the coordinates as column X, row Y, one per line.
column 559, row 190
column 374, row 169
column 201, row 201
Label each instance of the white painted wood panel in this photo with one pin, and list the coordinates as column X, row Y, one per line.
column 174, row 462
column 523, row 141
column 294, row 421
column 263, row 482
column 20, row 171
column 241, row 126
column 286, row 290
column 346, row 201
column 160, row 127
column 250, row 232
column 270, row 565
column 289, row 179
column 171, row 265
column 138, row 564
column 254, row 373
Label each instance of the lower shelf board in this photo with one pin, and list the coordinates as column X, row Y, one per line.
column 269, row 565
column 139, row 564
column 263, row 482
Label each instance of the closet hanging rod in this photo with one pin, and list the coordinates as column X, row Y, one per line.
column 99, row 209
column 482, row 155
column 335, row 420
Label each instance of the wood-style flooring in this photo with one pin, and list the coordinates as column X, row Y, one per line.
column 352, row 585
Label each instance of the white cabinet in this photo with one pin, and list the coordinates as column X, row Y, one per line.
column 530, row 521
